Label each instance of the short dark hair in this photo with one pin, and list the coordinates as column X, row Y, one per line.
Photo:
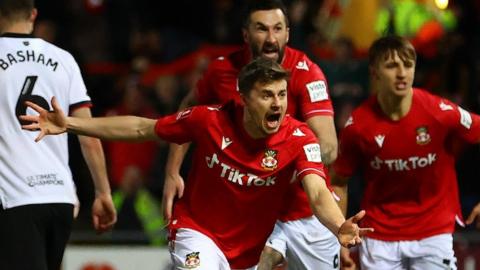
column 256, row 5
column 384, row 47
column 16, row 9
column 260, row 70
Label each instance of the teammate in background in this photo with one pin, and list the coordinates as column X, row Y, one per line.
column 266, row 34
column 37, row 193
column 401, row 140
column 244, row 163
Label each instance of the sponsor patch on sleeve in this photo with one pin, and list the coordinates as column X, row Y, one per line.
column 313, row 153
column 317, row 91
column 465, row 118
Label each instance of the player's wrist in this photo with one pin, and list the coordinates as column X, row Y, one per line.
column 173, row 173
column 103, row 193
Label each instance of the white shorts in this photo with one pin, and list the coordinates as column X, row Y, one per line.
column 194, row 250
column 431, row 253
column 305, row 244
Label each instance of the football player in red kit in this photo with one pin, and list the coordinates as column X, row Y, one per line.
column 247, row 157
column 266, row 34
column 401, row 140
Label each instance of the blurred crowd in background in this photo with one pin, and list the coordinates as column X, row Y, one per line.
column 141, row 57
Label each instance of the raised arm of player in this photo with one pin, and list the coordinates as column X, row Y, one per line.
column 327, row 211
column 128, row 128
column 104, row 215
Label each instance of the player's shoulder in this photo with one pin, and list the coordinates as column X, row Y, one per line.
column 425, row 96
column 199, row 110
column 232, row 61
column 303, row 72
column 363, row 115
column 296, row 130
column 433, row 104
column 52, row 48
column 210, row 112
column 298, row 61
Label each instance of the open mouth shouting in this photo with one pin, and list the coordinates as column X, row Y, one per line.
column 272, row 121
column 270, row 51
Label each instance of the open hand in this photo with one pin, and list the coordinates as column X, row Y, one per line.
column 49, row 123
column 350, row 233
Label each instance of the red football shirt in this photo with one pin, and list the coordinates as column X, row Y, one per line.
column 307, row 97
column 237, row 184
column 408, row 165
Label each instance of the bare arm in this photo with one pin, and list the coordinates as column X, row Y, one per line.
column 129, row 128
column 474, row 216
column 174, row 183
column 322, row 202
column 340, row 187
column 103, row 212
column 324, row 129
column 269, row 259
column 329, row 214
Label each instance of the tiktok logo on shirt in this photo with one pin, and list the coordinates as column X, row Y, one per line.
column 235, row 176
column 411, row 163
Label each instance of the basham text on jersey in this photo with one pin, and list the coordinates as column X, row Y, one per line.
column 26, row 56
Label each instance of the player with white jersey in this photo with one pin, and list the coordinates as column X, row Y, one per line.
column 298, row 236
column 401, row 139
column 37, row 193
column 244, row 163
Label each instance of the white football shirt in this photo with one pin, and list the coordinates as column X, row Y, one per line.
column 33, row 69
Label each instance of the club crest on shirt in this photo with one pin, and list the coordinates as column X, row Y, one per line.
column 192, row 260
column 422, row 135
column 269, row 162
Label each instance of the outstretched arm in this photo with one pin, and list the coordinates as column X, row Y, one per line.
column 328, row 212
column 104, row 215
column 129, row 128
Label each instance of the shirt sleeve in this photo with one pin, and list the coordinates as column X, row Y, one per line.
column 77, row 95
column 463, row 124
column 349, row 154
column 181, row 127
column 310, row 160
column 313, row 98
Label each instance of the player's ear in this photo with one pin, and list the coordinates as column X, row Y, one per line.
column 243, row 99
column 245, row 35
column 33, row 14
column 373, row 72
column 288, row 35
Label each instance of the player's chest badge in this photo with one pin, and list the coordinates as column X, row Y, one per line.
column 422, row 135
column 270, row 162
column 192, row 260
